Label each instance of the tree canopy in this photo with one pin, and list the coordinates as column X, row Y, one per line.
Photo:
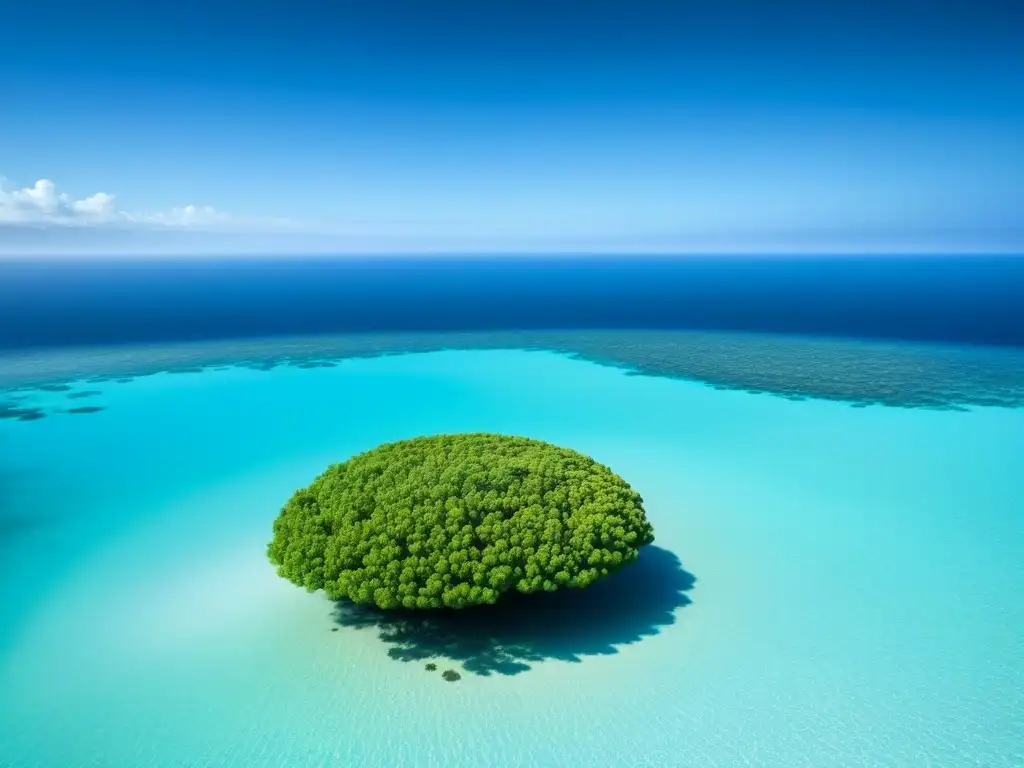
column 456, row 520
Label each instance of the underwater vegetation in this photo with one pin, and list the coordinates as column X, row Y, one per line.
column 86, row 409
column 21, row 413
column 84, row 393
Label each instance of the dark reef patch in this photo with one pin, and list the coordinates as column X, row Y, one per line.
column 54, row 387
column 521, row 630
column 21, row 413
column 86, row 409
column 261, row 366
column 855, row 371
column 900, row 374
column 84, row 393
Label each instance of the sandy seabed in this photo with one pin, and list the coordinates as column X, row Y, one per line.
column 830, row 586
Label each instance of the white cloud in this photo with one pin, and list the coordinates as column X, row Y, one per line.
column 190, row 216
column 41, row 205
column 100, row 205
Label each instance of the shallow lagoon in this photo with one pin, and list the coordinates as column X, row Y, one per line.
column 847, row 589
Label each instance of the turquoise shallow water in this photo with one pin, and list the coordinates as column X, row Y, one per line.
column 856, row 601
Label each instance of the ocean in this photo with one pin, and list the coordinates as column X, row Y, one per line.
column 835, row 489
column 59, row 302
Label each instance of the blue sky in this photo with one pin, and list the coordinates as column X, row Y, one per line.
column 512, row 126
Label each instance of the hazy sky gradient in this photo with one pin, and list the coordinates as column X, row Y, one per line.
column 404, row 126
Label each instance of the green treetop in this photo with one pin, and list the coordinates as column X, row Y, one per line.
column 456, row 520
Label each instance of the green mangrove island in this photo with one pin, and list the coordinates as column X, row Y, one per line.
column 452, row 521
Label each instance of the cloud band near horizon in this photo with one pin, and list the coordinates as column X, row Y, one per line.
column 43, row 205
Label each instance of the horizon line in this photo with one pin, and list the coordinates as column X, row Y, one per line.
column 508, row 255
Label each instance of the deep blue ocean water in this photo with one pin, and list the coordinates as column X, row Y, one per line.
column 830, row 585
column 974, row 300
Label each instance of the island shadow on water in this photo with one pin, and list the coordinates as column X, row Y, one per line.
column 521, row 630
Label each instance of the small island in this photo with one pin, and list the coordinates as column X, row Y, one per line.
column 453, row 521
